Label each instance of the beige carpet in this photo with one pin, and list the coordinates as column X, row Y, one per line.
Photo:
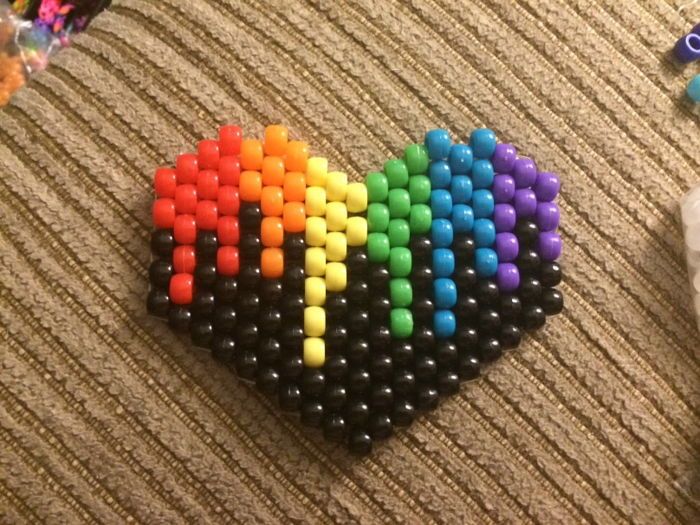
column 106, row 417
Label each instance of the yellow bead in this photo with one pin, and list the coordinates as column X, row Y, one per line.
column 336, row 246
column 315, row 201
column 316, row 231
column 315, row 291
column 356, row 231
column 316, row 171
column 314, row 321
column 314, row 352
column 337, row 186
column 356, row 198
column 336, row 277
column 315, row 262
column 336, row 216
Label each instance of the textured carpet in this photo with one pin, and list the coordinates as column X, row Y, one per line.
column 107, row 417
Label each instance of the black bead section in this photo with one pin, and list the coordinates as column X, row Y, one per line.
column 404, row 382
column 203, row 304
column 425, row 368
column 223, row 348
column 427, row 398
column 550, row 274
column 225, row 320
column 246, row 335
column 379, row 308
column 467, row 308
column 489, row 321
column 527, row 232
column 530, row 290
column 158, row 302
column 528, row 261
column 359, row 380
column 423, row 310
column 380, row 426
column 465, row 278
column 357, row 292
column 468, row 367
column 487, row 293
column 159, row 273
column 357, row 412
column 334, row 427
column 250, row 248
column 313, row 382
column 292, row 305
column 291, row 337
column 225, row 290
column 378, row 277
column 289, row 396
column 267, row 380
column 206, row 245
column 464, row 248
column 291, row 366
column 358, row 350
column 204, row 275
column 268, row 350
column 532, row 317
column 447, row 382
column 336, row 306
column 380, row 338
column 510, row 336
column 423, row 339
column 294, row 277
column 250, row 216
column 249, row 275
column 422, row 279
column 446, row 353
column 269, row 320
column 179, row 318
column 403, row 413
column 357, row 261
column 246, row 364
column 360, row 442
column 336, row 367
column 381, row 396
column 489, row 349
column 271, row 290
column 334, row 397
column 163, row 243
column 421, row 249
column 467, row 339
column 201, row 332
column 552, row 301
column 312, row 413
column 294, row 248
column 358, row 322
column 510, row 308
column 248, row 304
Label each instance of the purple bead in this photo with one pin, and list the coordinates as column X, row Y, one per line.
column 503, row 188
column 549, row 246
column 524, row 172
column 507, row 247
column 525, row 203
column 687, row 49
column 507, row 277
column 504, row 217
column 547, row 186
column 503, row 159
column 547, row 216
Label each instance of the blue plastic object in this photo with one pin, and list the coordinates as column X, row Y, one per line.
column 483, row 143
column 482, row 173
column 444, row 324
column 461, row 188
column 438, row 142
column 482, row 203
column 462, row 218
column 443, row 262
column 441, row 203
column 484, row 233
column 461, row 158
column 445, row 293
column 441, row 233
column 485, row 262
column 440, row 174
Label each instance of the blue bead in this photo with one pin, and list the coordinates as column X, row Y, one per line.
column 482, row 203
column 444, row 324
column 441, row 233
column 485, row 262
column 438, row 142
column 693, row 91
column 482, row 173
column 462, row 218
column 484, row 233
column 461, row 158
column 441, row 203
column 483, row 143
column 687, row 49
column 443, row 262
column 461, row 189
column 440, row 174
column 445, row 293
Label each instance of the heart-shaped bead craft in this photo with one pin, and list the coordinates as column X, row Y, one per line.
column 356, row 304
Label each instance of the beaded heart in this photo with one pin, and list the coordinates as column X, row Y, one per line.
column 356, row 304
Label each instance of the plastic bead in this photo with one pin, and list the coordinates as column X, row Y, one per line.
column 314, row 321
column 336, row 216
column 315, row 262
column 315, row 291
column 378, row 247
column 507, row 247
column 399, row 203
column 401, row 292
column 547, row 216
column 445, row 293
column 186, row 198
column 462, row 218
column 336, row 277
column 400, row 262
column 276, row 138
column 314, row 352
column 272, row 201
column 185, row 229
column 272, row 232
column 485, row 262
column 440, row 175
column 687, row 48
column 316, row 231
column 504, row 157
column 508, row 277
column 228, row 200
column 163, row 213
column 336, row 186
column 187, row 168
column 693, row 89
column 482, row 174
column 273, row 171
column 377, row 187
column 420, row 219
column 445, row 324
column 401, row 323
column 228, row 231
column 547, row 186
column 443, row 262
column 461, row 189
column 399, row 232
column 165, row 182
column 336, row 246
column 549, row 246
column 317, row 171
column 503, row 188
column 356, row 199
column 230, row 138
column 315, row 201
column 483, row 143
column 441, row 233
column 207, row 215
column 251, row 186
column 482, row 203
column 419, row 189
column 441, row 203
column 294, row 217
column 396, row 173
column 181, row 288
column 184, row 260
column 251, row 154
column 356, row 231
column 208, row 185
column 272, row 263
column 484, row 233
column 438, row 142
column 504, row 217
column 378, row 217
column 227, row 261
column 525, row 203
column 208, row 154
column 461, row 158
column 524, row 172
column 294, row 187
column 297, row 156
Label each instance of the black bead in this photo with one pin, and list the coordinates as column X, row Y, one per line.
column 403, row 413
column 425, row 368
column 225, row 320
column 334, row 427
column 225, row 289
column 401, row 352
column 359, row 380
column 510, row 307
column 530, row 290
column 249, row 277
column 159, row 273
column 423, row 339
column 358, row 292
column 487, row 293
column 357, row 261
column 532, row 317
column 448, row 383
column 421, row 249
column 358, row 322
column 248, row 305
column 223, row 348
column 469, row 366
column 293, row 307
column 427, row 398
column 336, row 306
column 335, row 367
column 550, row 274
column 446, row 353
column 404, row 382
column 269, row 320
column 381, row 396
column 527, row 232
column 267, row 380
column 294, row 277
column 380, row 426
column 334, row 397
column 379, row 308
column 246, row 365
column 294, row 247
column 205, row 274
column 179, row 318
column 467, row 339
column 358, row 350
column 203, row 303
column 510, row 336
column 201, row 332
column 158, row 302
column 206, row 245
column 246, row 335
column 381, row 366
column 489, row 349
column 162, row 243
column 423, row 310
column 422, row 278
column 250, row 216
column 360, row 442
column 489, row 321
column 465, row 278
column 380, row 338
column 552, row 301
column 291, row 366
column 268, row 350
column 463, row 246
column 336, row 339
column 271, row 291
column 312, row 414
column 289, row 396
column 250, row 246
column 379, row 277
column 467, row 308
column 356, row 412
column 292, row 337
column 528, row 261
column 313, row 382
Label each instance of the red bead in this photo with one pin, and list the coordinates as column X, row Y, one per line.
column 227, row 261
column 186, row 198
column 207, row 185
column 165, row 182
column 185, row 229
column 208, row 154
column 187, row 168
column 181, row 288
column 184, row 259
column 207, row 215
column 163, row 213
column 230, row 138
column 228, row 231
column 229, row 171
column 229, row 200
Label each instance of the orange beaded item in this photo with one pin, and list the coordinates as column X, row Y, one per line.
column 276, row 137
column 11, row 76
column 251, row 185
column 294, row 217
column 297, row 156
column 272, row 232
column 273, row 171
column 272, row 201
column 251, row 154
column 272, row 263
column 294, row 186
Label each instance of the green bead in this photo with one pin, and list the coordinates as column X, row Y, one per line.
column 416, row 157
column 420, row 218
column 396, row 173
column 401, row 292
column 400, row 262
column 401, row 323
column 377, row 187
column 378, row 248
column 399, row 203
column 377, row 217
column 399, row 232
column 419, row 189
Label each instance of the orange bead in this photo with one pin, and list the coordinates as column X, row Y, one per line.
column 294, row 186
column 272, row 201
column 276, row 140
column 273, row 171
column 251, row 186
column 294, row 217
column 272, row 263
column 297, row 155
column 251, row 154
column 272, row 232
